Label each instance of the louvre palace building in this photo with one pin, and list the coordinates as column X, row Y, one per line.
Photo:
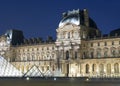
column 80, row 50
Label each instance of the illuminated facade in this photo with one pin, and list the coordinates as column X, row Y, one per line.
column 80, row 50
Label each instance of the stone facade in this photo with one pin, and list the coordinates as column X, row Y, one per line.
column 79, row 50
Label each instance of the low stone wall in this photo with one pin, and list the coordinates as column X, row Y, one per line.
column 61, row 81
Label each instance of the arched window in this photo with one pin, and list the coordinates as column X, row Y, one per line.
column 67, row 55
column 87, row 68
column 105, row 52
column 94, row 68
column 113, row 52
column 68, row 35
column 75, row 54
column 116, row 68
column 84, row 55
column 98, row 53
column 108, row 68
column 32, row 57
column 91, row 53
column 101, row 68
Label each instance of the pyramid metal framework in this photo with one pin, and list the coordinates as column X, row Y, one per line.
column 34, row 72
column 49, row 73
column 8, row 70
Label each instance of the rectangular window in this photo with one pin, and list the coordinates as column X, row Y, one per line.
column 47, row 48
column 112, row 42
column 52, row 48
column 91, row 44
column 105, row 44
column 98, row 44
column 83, row 45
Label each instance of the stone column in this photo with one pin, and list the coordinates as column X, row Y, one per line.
column 62, row 54
column 95, row 53
column 78, row 74
column 102, row 53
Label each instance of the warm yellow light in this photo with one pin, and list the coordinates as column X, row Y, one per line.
column 73, row 70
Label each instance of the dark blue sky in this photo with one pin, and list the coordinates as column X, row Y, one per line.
column 40, row 18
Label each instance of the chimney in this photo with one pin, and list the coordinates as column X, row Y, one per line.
column 86, row 17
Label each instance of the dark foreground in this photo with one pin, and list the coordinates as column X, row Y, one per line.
column 59, row 81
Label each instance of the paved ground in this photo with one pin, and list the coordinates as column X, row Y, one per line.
column 58, row 82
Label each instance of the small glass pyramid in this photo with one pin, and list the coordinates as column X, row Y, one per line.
column 34, row 72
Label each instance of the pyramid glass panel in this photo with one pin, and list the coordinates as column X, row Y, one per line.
column 8, row 70
column 33, row 72
column 48, row 73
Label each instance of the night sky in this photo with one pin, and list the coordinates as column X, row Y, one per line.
column 40, row 18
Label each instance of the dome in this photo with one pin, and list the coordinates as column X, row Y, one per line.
column 77, row 17
column 73, row 19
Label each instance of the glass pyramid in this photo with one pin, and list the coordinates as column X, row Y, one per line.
column 48, row 73
column 33, row 72
column 8, row 70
